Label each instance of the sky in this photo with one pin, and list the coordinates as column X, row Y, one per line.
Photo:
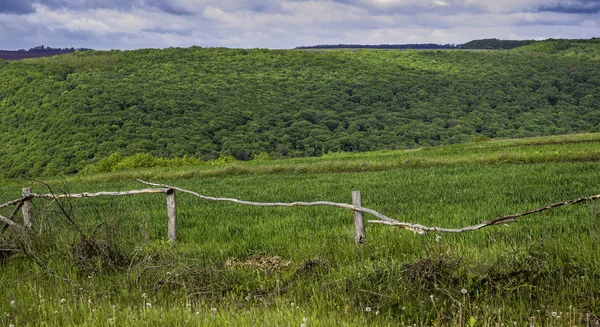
column 276, row 24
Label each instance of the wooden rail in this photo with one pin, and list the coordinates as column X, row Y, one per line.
column 26, row 206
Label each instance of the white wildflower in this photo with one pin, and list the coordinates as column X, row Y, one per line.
column 213, row 309
column 149, row 305
column 144, row 295
column 13, row 303
column 368, row 309
column 464, row 291
column 62, row 301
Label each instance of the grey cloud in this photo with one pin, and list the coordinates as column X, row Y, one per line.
column 572, row 7
column 18, row 7
column 169, row 31
column 132, row 24
column 166, row 6
column 27, row 6
column 445, row 7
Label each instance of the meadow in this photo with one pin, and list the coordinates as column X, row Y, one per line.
column 106, row 261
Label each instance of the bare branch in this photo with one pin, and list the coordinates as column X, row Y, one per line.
column 281, row 204
column 90, row 195
column 9, row 222
column 496, row 221
column 14, row 202
column 12, row 216
column 416, row 228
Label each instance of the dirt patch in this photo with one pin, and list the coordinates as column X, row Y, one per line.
column 267, row 265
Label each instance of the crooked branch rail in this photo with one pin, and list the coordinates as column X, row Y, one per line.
column 416, row 228
column 25, row 204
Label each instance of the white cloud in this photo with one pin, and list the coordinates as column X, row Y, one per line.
column 289, row 23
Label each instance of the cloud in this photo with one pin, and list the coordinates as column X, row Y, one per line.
column 15, row 7
column 130, row 24
column 572, row 7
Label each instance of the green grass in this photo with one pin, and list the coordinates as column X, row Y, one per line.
column 542, row 264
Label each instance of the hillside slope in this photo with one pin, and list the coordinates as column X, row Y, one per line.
column 61, row 114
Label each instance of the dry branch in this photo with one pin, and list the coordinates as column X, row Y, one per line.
column 496, row 221
column 91, row 195
column 416, row 228
column 9, row 222
column 280, row 204
column 14, row 202
column 12, row 216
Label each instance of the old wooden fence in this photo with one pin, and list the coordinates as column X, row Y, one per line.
column 25, row 205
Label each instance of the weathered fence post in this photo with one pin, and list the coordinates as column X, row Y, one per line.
column 172, row 212
column 359, row 224
column 27, row 209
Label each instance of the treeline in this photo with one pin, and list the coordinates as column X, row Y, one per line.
column 483, row 44
column 495, row 44
column 417, row 46
column 36, row 52
column 61, row 114
column 42, row 48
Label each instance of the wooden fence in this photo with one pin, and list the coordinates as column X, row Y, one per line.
column 25, row 204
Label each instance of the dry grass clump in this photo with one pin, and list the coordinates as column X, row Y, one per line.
column 267, row 265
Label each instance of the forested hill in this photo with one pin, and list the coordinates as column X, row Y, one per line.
column 495, row 44
column 60, row 114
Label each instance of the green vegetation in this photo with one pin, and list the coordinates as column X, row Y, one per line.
column 240, row 265
column 495, row 44
column 62, row 114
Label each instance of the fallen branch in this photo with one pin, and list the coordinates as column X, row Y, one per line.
column 280, row 204
column 14, row 202
column 499, row 220
column 10, row 222
column 416, row 228
column 91, row 195
column 11, row 217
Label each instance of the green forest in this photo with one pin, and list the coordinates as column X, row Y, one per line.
column 60, row 115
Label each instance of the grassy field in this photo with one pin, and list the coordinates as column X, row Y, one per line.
column 106, row 262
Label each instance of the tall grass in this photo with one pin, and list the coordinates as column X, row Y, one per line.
column 242, row 265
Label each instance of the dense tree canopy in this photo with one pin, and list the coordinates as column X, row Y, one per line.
column 60, row 114
column 495, row 44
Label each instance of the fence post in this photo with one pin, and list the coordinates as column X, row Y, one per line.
column 360, row 235
column 172, row 212
column 27, row 209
